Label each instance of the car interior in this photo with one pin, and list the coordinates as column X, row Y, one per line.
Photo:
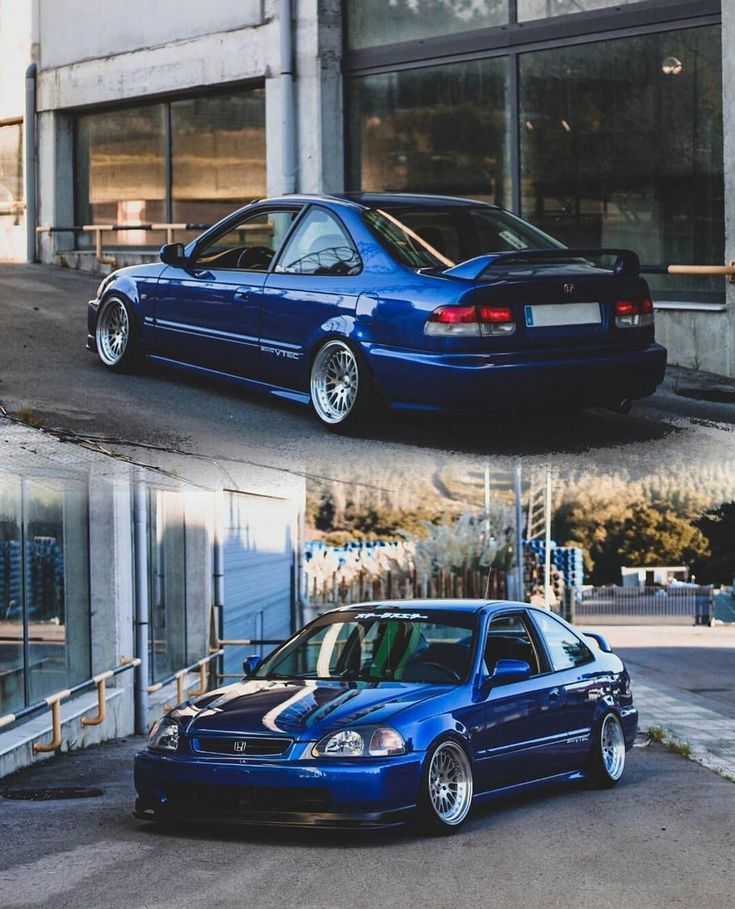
column 509, row 639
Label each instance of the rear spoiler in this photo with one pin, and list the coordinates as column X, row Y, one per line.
column 627, row 262
column 602, row 641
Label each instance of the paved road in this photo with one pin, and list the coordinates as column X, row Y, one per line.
column 44, row 369
column 696, row 664
column 663, row 837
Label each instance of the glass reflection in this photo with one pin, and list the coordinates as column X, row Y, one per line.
column 622, row 147
column 218, row 148
column 121, row 172
column 545, row 9
column 11, row 597
column 442, row 129
column 371, row 23
column 11, row 165
column 167, row 573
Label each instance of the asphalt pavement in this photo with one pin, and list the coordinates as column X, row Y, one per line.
column 47, row 375
column 663, row 837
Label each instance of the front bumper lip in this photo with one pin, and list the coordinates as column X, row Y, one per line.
column 149, row 810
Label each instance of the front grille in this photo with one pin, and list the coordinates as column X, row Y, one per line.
column 210, row 800
column 244, row 745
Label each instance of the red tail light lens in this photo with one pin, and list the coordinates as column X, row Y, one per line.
column 454, row 315
column 634, row 313
column 496, row 314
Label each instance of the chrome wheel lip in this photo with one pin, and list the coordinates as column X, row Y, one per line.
column 612, row 746
column 112, row 333
column 450, row 783
column 335, row 382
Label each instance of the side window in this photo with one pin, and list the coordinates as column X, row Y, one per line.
column 508, row 638
column 251, row 244
column 565, row 648
column 319, row 246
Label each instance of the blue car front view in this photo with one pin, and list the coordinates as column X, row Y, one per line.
column 375, row 714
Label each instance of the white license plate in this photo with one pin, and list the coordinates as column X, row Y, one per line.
column 563, row 314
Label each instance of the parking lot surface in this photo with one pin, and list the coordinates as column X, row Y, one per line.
column 663, row 837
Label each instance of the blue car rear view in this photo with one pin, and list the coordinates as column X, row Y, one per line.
column 385, row 713
column 418, row 302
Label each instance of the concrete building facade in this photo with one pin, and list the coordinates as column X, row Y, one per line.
column 601, row 121
column 101, row 563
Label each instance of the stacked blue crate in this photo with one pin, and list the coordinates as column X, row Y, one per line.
column 569, row 560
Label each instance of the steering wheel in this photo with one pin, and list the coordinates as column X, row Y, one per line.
column 255, row 257
column 447, row 669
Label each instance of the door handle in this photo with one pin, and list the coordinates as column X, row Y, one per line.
column 243, row 293
column 555, row 694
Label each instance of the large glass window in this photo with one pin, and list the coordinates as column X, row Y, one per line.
column 441, row 129
column 167, row 577
column 191, row 161
column 121, row 170
column 44, row 589
column 621, row 145
column 11, row 167
column 545, row 9
column 218, row 148
column 374, row 22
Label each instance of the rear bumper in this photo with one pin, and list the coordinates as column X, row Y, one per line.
column 507, row 381
column 289, row 793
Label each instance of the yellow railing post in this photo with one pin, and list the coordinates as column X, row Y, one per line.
column 55, row 743
column 101, row 714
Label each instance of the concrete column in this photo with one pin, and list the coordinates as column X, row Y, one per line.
column 199, row 511
column 728, row 124
column 55, row 180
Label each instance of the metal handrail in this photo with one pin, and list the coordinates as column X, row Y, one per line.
column 54, row 702
column 696, row 270
column 199, row 666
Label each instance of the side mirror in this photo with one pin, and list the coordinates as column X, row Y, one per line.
column 173, row 254
column 507, row 671
column 250, row 665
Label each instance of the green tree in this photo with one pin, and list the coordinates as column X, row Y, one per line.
column 718, row 526
column 656, row 535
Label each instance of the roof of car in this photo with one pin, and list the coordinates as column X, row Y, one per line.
column 466, row 605
column 373, row 200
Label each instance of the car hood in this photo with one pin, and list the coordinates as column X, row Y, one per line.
column 303, row 709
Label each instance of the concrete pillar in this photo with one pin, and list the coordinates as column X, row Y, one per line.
column 55, row 180
column 199, row 511
column 728, row 125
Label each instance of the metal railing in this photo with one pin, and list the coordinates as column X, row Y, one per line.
column 53, row 701
column 695, row 601
column 170, row 227
column 200, row 667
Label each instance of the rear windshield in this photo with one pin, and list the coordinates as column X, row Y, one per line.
column 372, row 647
column 422, row 237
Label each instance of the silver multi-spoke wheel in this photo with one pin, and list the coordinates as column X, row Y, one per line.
column 113, row 332
column 450, row 783
column 612, row 746
column 335, row 382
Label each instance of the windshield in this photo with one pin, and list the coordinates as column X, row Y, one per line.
column 422, row 237
column 397, row 647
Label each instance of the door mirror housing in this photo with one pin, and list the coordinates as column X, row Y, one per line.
column 173, row 254
column 250, row 664
column 507, row 671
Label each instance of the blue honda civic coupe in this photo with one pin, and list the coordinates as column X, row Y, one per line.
column 422, row 302
column 381, row 713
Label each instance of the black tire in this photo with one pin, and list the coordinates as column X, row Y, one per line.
column 428, row 818
column 352, row 378
column 607, row 757
column 117, row 353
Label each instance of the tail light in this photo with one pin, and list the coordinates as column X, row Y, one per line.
column 634, row 313
column 471, row 321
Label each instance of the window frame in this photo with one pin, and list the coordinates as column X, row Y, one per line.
column 295, row 226
column 217, row 231
column 538, row 645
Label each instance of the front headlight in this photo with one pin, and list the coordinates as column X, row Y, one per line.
column 165, row 735
column 370, row 741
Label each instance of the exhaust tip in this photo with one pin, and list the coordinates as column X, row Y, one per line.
column 624, row 405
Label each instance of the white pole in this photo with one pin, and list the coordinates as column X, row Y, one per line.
column 547, row 543
column 517, row 490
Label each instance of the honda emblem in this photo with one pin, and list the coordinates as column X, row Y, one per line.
column 239, row 746
column 568, row 288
